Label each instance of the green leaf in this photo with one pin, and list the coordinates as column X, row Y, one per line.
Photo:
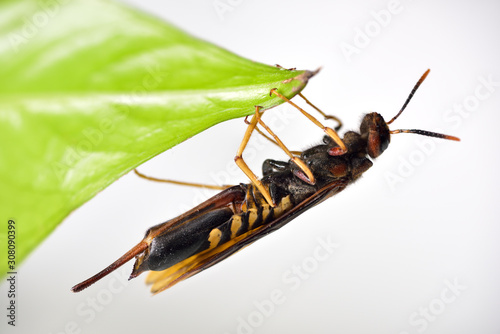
column 91, row 89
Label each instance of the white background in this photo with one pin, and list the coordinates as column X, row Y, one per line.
column 397, row 246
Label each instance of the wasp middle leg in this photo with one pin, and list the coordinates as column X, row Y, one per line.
column 329, row 131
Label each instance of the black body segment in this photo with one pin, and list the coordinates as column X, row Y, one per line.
column 192, row 237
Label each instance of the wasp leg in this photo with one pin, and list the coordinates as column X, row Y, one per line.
column 269, row 138
column 189, row 184
column 244, row 167
column 329, row 131
column 299, row 162
column 261, row 133
column 238, row 159
column 335, row 118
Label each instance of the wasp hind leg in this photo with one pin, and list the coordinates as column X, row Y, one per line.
column 181, row 183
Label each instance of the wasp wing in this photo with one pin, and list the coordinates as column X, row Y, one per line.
column 162, row 280
column 225, row 198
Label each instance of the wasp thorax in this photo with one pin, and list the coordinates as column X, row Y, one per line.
column 375, row 130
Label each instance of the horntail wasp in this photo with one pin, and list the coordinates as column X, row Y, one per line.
column 242, row 214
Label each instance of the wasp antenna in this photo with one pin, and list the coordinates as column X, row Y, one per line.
column 426, row 133
column 138, row 249
column 419, row 82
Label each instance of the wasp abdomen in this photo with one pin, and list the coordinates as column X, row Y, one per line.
column 194, row 236
column 253, row 218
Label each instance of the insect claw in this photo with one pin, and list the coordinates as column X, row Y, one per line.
column 288, row 69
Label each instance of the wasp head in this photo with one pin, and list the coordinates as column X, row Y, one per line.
column 375, row 131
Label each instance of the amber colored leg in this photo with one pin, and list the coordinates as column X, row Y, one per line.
column 242, row 164
column 262, row 133
column 299, row 162
column 329, row 131
column 335, row 118
column 189, row 184
column 269, row 138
